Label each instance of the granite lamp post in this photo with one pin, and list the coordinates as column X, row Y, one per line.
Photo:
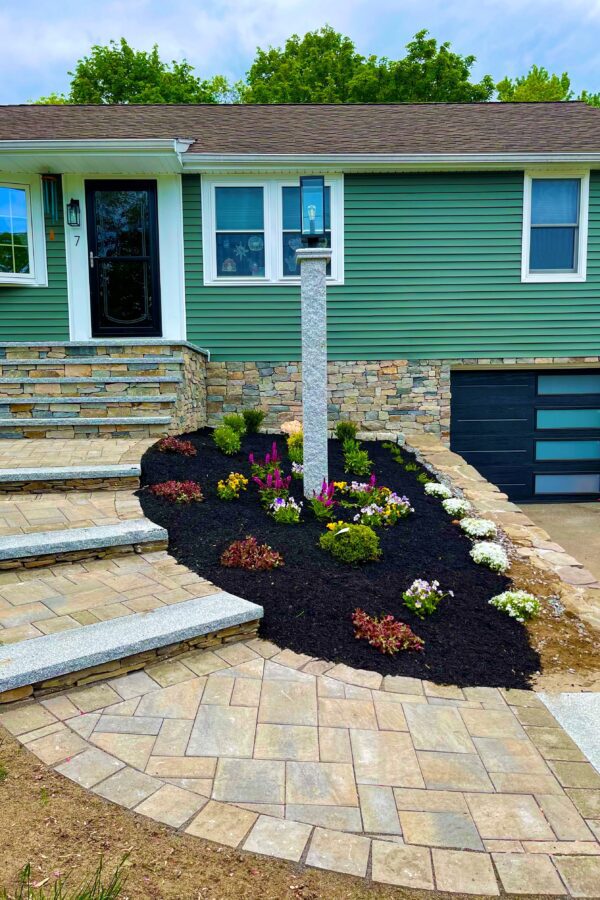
column 313, row 260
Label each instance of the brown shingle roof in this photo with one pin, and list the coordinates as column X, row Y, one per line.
column 387, row 128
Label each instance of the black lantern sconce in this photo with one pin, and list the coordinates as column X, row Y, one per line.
column 312, row 208
column 73, row 213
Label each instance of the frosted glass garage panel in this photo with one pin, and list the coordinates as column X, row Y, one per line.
column 569, row 384
column 567, row 418
column 567, row 450
column 577, row 483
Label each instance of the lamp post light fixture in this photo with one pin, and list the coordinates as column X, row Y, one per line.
column 313, row 260
column 312, row 208
column 73, row 213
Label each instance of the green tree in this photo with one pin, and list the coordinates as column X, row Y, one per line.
column 325, row 67
column 117, row 73
column 538, row 84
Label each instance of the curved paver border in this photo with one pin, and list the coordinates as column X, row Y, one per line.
column 394, row 779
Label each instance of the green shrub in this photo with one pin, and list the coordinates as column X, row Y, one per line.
column 356, row 461
column 253, row 419
column 352, row 544
column 227, row 440
column 295, row 446
column 96, row 888
column 346, row 431
column 235, row 421
column 395, row 451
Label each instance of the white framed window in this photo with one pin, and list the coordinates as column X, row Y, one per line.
column 251, row 229
column 555, row 226
column 22, row 231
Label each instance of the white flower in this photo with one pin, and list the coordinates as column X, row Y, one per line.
column 456, row 507
column 435, row 489
column 518, row 604
column 490, row 554
column 478, row 528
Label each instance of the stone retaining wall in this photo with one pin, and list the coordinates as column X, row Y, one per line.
column 189, row 412
column 576, row 587
column 394, row 395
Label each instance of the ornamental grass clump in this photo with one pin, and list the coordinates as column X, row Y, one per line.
column 227, row 439
column 235, row 421
column 250, row 555
column 395, row 451
column 385, row 633
column 178, row 491
column 253, row 419
column 435, row 489
column 231, row 487
column 345, row 431
column 323, row 504
column 356, row 461
column 176, row 445
column 271, row 461
column 478, row 528
column 456, row 507
column 518, row 605
column 295, row 447
column 285, row 510
column 490, row 554
column 272, row 486
column 424, row 597
column 352, row 544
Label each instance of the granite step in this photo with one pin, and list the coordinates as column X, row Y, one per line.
column 70, row 478
column 44, row 548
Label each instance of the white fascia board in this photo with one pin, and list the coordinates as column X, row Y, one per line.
column 370, row 162
column 144, row 155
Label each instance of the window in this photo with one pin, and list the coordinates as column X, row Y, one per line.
column 251, row 230
column 569, row 384
column 555, row 228
column 22, row 238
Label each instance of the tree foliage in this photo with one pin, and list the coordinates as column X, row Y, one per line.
column 540, row 85
column 117, row 73
column 325, row 67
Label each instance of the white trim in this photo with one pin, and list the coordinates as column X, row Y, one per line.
column 170, row 248
column 556, row 277
column 36, row 233
column 273, row 228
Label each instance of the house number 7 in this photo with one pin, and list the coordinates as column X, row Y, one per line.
column 77, row 239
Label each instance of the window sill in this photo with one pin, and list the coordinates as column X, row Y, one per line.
column 262, row 282
column 15, row 281
column 554, row 278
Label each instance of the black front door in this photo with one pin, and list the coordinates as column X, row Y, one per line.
column 123, row 258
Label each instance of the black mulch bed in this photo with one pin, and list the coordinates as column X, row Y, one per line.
column 309, row 601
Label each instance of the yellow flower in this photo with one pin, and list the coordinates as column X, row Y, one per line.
column 332, row 526
column 340, row 484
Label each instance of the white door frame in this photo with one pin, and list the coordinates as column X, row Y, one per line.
column 170, row 249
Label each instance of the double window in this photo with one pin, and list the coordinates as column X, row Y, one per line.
column 555, row 228
column 22, row 239
column 251, row 230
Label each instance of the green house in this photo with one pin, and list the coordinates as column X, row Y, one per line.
column 148, row 280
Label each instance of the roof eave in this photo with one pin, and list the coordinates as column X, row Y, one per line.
column 85, row 155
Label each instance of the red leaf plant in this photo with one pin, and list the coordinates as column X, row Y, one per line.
column 249, row 554
column 178, row 491
column 385, row 633
column 176, row 445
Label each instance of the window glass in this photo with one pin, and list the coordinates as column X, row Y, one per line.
column 545, row 450
column 554, row 224
column 240, row 237
column 291, row 237
column 568, row 418
column 580, row 483
column 14, row 235
column 588, row 383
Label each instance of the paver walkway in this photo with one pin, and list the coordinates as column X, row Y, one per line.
column 28, row 513
column 33, row 454
column 393, row 779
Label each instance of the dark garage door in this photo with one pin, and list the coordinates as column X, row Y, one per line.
column 536, row 434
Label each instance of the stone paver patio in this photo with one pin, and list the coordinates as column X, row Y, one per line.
column 28, row 513
column 401, row 781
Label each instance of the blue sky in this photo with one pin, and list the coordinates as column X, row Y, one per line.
column 42, row 40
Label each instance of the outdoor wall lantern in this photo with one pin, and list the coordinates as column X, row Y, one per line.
column 73, row 213
column 312, row 208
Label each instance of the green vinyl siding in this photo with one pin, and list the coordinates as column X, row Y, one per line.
column 30, row 313
column 432, row 269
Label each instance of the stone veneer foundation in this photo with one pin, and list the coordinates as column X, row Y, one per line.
column 390, row 395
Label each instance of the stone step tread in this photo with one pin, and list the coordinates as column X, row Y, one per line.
column 51, row 656
column 81, row 421
column 105, row 399
column 64, row 473
column 91, row 379
column 49, row 543
column 91, row 360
